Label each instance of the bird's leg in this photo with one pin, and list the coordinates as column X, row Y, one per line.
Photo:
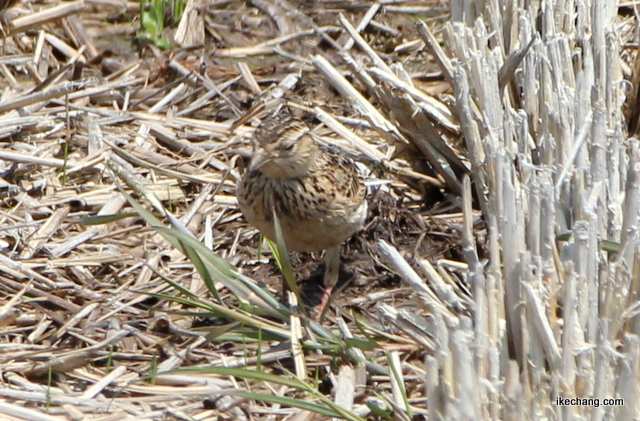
column 332, row 271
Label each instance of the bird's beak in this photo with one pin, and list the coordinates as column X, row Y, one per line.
column 258, row 160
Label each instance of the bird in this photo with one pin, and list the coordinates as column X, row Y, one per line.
column 314, row 190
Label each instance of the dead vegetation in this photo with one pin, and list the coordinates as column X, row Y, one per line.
column 486, row 136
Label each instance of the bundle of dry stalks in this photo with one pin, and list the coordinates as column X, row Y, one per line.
column 539, row 93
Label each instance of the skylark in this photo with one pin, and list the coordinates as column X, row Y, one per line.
column 314, row 190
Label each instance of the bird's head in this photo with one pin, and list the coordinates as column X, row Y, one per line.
column 283, row 148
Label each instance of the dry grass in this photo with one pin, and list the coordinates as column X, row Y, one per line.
column 484, row 134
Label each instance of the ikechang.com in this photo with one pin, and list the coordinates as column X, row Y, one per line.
column 595, row 402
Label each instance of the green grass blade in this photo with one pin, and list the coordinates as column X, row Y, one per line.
column 105, row 219
column 282, row 257
column 243, row 373
column 234, row 314
column 263, row 293
column 288, row 402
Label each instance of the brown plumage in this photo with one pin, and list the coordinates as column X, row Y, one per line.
column 314, row 190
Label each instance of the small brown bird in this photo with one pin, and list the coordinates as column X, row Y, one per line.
column 314, row 190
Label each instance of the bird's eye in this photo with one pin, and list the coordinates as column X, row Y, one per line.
column 288, row 146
